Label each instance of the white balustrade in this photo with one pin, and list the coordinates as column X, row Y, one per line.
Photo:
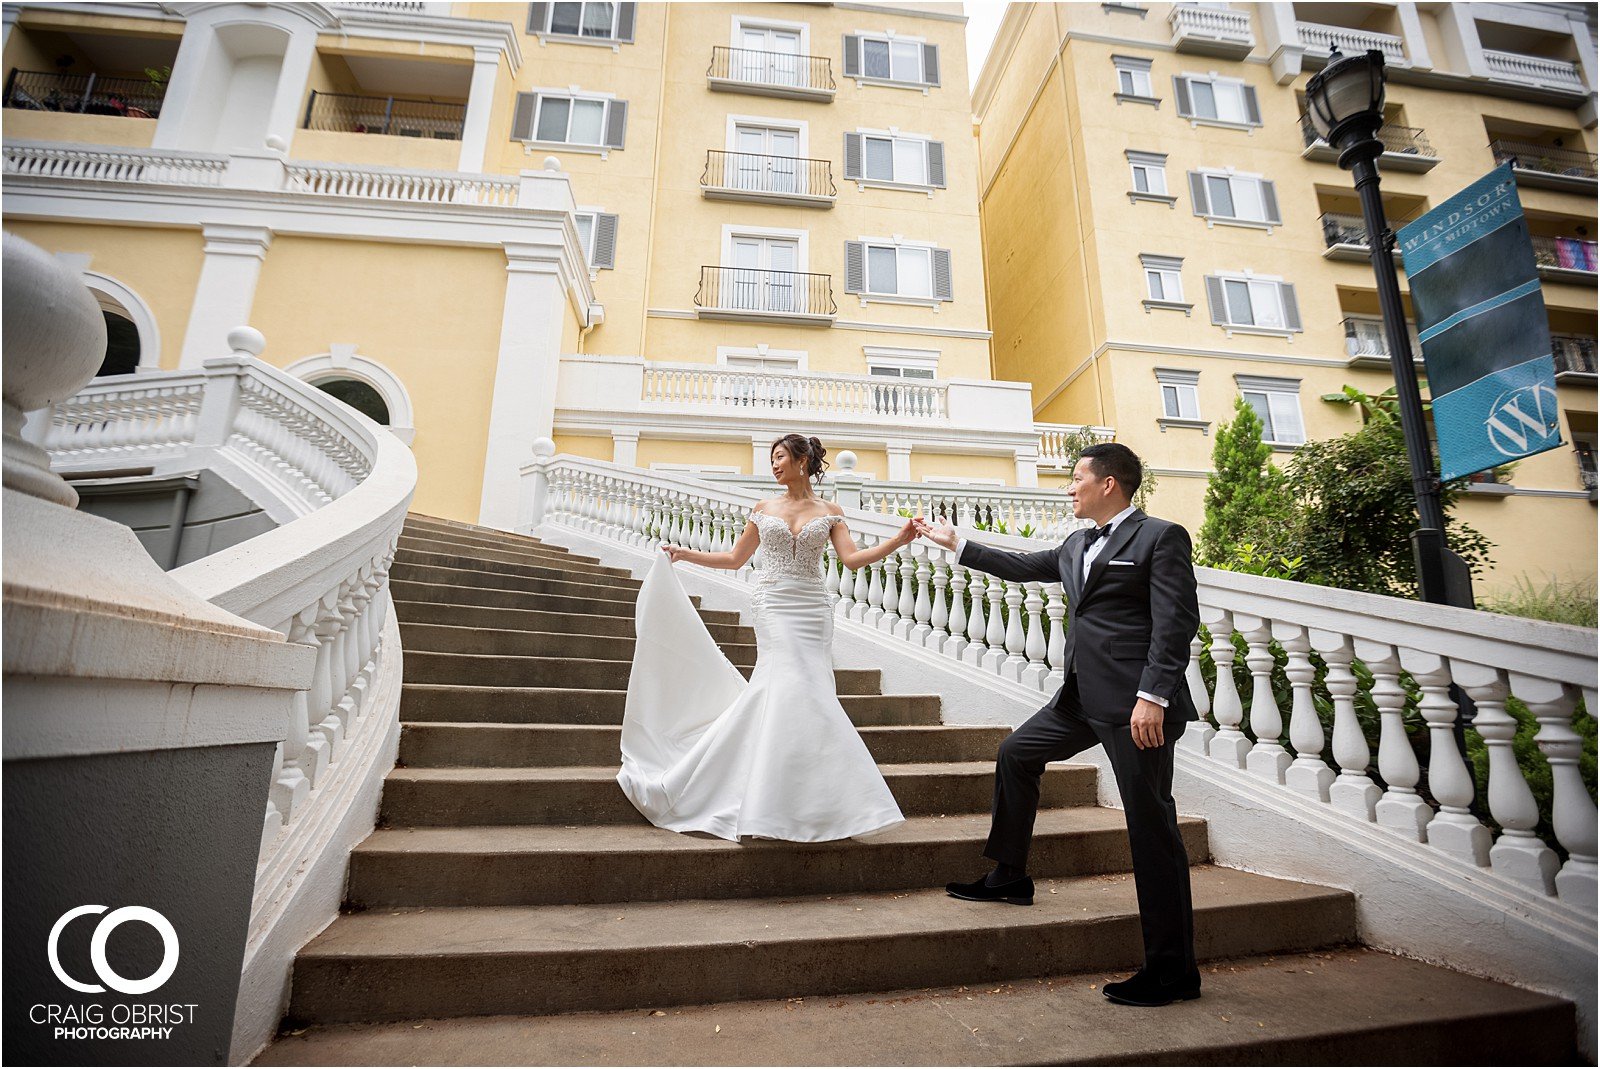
column 1322, row 640
column 1058, row 446
column 400, row 184
column 1192, row 20
column 1534, row 70
column 98, row 163
column 670, row 386
column 1320, row 38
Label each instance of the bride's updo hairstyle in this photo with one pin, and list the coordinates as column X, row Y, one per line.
column 809, row 448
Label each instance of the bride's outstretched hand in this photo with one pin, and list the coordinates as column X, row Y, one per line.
column 674, row 553
column 908, row 533
column 941, row 535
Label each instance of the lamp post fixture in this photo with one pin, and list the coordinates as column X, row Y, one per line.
column 1345, row 103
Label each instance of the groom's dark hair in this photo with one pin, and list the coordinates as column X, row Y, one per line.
column 1119, row 462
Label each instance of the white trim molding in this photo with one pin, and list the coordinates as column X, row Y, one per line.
column 341, row 361
column 117, row 297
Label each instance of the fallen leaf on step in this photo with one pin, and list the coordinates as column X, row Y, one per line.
column 717, row 1029
column 1094, row 987
column 298, row 1032
column 416, row 1026
column 1225, row 1017
column 658, row 1013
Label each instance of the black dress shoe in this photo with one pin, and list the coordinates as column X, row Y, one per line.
column 1144, row 989
column 1017, row 892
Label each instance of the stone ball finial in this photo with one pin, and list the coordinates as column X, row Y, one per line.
column 847, row 460
column 276, row 143
column 246, row 341
column 54, row 340
column 552, row 164
column 544, row 447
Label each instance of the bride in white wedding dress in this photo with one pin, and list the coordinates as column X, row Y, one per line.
column 776, row 756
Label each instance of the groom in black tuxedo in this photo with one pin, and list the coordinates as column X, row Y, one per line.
column 1130, row 587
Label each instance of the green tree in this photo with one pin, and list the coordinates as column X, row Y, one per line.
column 1245, row 498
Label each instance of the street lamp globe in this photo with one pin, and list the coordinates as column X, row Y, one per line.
column 1345, row 99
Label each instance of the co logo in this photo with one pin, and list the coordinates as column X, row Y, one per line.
column 97, row 949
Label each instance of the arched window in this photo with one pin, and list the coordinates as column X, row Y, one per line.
column 122, row 345
column 359, row 396
column 133, row 342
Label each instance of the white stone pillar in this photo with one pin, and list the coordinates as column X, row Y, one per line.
column 1458, row 29
column 177, row 125
column 760, row 456
column 1416, row 42
column 625, row 448
column 284, row 116
column 1280, row 37
column 526, row 371
column 226, row 291
column 899, row 454
column 1027, row 467
column 480, row 101
column 8, row 19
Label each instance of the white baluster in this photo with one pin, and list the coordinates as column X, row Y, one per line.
column 956, row 644
column 1572, row 811
column 1034, row 647
column 1016, row 640
column 1453, row 828
column 994, row 639
column 1267, row 758
column 1309, row 774
column 939, row 613
column 906, row 608
column 976, row 628
column 1353, row 791
column 922, row 610
column 1401, row 807
column 1230, row 745
column 1199, row 734
column 1056, row 647
column 875, row 593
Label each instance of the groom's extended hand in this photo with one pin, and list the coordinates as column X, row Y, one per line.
column 1146, row 724
column 941, row 535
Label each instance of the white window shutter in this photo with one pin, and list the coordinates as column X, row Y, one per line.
column 1291, row 307
column 852, row 56
column 538, row 18
column 616, row 123
column 522, row 118
column 941, row 275
column 930, row 64
column 1269, row 202
column 1180, row 90
column 1217, row 298
column 1252, row 108
column 625, row 19
column 936, row 163
column 1198, row 193
column 605, row 240
column 855, row 267
column 852, row 155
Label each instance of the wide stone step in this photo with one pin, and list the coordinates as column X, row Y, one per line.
column 1349, row 1006
column 566, row 584
column 437, row 638
column 430, row 526
column 533, row 555
column 461, row 797
column 490, row 619
column 435, row 745
column 442, row 555
column 494, row 670
column 451, row 703
column 441, row 593
column 530, row 865
column 395, row 964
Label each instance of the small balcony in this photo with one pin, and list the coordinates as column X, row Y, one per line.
column 85, row 94
column 1405, row 148
column 1546, row 166
column 1210, row 31
column 1322, row 40
column 1345, row 237
column 761, row 294
column 1537, row 72
column 391, row 116
column 1367, row 346
column 853, row 397
column 1564, row 259
column 773, row 74
column 1575, row 357
column 751, row 176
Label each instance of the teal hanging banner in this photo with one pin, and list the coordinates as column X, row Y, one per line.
column 1485, row 337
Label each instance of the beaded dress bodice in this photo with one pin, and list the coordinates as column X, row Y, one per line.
column 787, row 555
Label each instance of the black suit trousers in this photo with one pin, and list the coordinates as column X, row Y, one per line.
column 1144, row 780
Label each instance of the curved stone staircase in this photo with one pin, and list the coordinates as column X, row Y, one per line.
column 513, row 907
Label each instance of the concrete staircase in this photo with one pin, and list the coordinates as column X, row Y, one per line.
column 513, row 907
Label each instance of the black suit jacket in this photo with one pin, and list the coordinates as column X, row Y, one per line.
column 1130, row 621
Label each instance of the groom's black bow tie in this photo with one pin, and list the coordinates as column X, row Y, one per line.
column 1096, row 534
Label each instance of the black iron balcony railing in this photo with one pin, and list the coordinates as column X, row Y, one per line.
column 1341, row 229
column 1574, row 352
column 1565, row 254
column 781, row 69
column 1364, row 336
column 397, row 116
column 758, row 290
column 88, row 94
column 1547, row 159
column 1402, row 139
column 751, row 172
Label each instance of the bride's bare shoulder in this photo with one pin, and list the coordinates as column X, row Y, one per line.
column 834, row 508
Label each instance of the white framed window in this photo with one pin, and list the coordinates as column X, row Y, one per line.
column 1149, row 171
column 597, row 23
column 597, row 232
column 1180, row 393
column 1163, row 282
column 893, row 158
column 892, row 361
column 1133, row 79
column 1214, row 100
column 1253, row 304
column 898, row 269
column 1229, row 197
column 902, row 371
column 888, row 58
column 776, row 389
column 1277, row 403
column 566, row 117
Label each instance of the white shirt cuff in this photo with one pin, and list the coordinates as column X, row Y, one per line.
column 961, row 543
column 1152, row 698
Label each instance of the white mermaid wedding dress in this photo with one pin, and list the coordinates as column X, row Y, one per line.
column 774, row 757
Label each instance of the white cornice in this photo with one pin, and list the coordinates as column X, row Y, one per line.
column 850, row 324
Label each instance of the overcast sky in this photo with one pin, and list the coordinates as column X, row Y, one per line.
column 983, row 19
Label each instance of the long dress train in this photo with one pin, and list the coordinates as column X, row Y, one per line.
column 775, row 756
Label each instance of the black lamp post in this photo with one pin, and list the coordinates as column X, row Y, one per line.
column 1345, row 102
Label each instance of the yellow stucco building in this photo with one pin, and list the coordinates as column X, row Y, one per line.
column 1163, row 234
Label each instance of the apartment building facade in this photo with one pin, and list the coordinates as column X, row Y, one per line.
column 659, row 234
column 1205, row 246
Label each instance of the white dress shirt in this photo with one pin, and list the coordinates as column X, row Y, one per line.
column 1088, row 558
